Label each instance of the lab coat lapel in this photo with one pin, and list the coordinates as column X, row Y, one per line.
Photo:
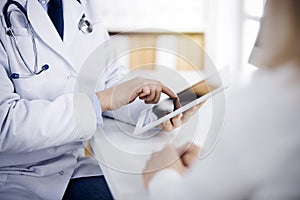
column 44, row 28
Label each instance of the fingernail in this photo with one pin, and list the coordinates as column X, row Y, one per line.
column 178, row 116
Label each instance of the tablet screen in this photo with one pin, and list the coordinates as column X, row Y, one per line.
column 184, row 97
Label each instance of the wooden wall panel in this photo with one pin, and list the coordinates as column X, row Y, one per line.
column 196, row 55
column 146, row 56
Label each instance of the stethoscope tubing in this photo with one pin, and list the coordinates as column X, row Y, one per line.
column 11, row 33
column 84, row 25
column 34, row 47
column 5, row 11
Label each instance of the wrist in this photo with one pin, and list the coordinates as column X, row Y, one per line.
column 104, row 97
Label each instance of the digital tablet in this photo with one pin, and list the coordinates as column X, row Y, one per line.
column 155, row 115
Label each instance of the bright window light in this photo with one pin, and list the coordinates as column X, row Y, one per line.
column 252, row 13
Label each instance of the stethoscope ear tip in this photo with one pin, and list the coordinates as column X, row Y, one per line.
column 45, row 67
column 15, row 76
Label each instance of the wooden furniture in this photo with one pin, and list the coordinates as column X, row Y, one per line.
column 146, row 56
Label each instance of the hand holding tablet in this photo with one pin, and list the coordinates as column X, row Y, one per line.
column 187, row 103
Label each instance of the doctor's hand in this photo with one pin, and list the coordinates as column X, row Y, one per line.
column 179, row 159
column 146, row 89
column 180, row 119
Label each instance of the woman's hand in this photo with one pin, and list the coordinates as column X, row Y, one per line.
column 126, row 92
column 166, row 158
column 179, row 159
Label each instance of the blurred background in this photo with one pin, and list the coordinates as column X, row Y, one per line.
column 225, row 29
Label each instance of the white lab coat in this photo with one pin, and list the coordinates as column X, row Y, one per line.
column 40, row 144
column 258, row 154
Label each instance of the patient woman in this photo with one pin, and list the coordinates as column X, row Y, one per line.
column 258, row 156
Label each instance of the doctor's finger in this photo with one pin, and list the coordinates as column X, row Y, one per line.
column 157, row 96
column 176, row 121
column 168, row 91
column 167, row 126
column 149, row 98
column 157, row 93
column 145, row 92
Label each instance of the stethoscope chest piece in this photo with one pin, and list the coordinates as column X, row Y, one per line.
column 85, row 26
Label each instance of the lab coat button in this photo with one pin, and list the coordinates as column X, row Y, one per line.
column 61, row 173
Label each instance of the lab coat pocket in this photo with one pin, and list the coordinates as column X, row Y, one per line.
column 31, row 88
column 23, row 42
column 26, row 87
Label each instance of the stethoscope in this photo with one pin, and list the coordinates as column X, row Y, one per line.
column 83, row 25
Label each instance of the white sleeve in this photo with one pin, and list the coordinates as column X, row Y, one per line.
column 162, row 179
column 37, row 124
column 113, row 76
column 128, row 113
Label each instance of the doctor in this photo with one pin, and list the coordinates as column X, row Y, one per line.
column 258, row 154
column 41, row 146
